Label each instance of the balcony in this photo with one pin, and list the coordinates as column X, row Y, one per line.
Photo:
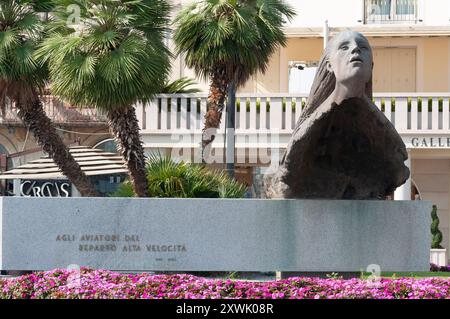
column 390, row 11
column 268, row 120
column 60, row 113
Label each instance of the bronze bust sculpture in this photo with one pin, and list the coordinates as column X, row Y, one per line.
column 343, row 147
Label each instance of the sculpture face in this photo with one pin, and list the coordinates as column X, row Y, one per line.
column 350, row 57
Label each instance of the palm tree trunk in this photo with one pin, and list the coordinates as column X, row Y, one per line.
column 34, row 117
column 125, row 127
column 216, row 101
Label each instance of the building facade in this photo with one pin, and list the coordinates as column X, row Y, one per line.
column 77, row 126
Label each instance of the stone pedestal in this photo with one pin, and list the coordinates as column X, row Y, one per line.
column 133, row 234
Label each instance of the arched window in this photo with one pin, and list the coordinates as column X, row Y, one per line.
column 108, row 145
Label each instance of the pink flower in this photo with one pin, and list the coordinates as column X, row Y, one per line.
column 107, row 284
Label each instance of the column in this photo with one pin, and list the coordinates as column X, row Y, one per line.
column 326, row 34
column 404, row 191
column 284, row 73
column 16, row 187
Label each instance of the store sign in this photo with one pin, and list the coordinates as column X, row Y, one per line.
column 427, row 141
column 42, row 188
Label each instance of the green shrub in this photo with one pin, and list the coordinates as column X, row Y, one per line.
column 168, row 178
column 124, row 190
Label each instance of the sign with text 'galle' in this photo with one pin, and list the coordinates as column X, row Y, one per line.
column 430, row 141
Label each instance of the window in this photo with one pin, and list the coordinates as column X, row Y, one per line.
column 391, row 11
column 301, row 76
column 108, row 145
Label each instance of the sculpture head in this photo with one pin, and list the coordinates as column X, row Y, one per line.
column 337, row 66
column 349, row 58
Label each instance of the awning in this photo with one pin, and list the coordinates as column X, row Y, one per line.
column 92, row 161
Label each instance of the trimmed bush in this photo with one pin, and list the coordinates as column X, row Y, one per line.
column 436, row 233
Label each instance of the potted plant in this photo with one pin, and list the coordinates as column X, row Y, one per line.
column 438, row 254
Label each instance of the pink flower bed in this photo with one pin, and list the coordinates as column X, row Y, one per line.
column 106, row 284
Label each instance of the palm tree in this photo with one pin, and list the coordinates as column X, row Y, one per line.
column 22, row 80
column 228, row 41
column 113, row 58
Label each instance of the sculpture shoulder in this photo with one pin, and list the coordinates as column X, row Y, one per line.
column 364, row 105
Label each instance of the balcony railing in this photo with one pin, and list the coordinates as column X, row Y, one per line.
column 59, row 112
column 390, row 11
column 409, row 112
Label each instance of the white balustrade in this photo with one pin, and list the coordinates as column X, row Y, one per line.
column 409, row 112
column 173, row 123
column 164, row 115
column 140, row 115
column 388, row 108
column 242, row 116
column 183, row 115
column 445, row 115
column 415, row 113
column 253, row 111
column 276, row 113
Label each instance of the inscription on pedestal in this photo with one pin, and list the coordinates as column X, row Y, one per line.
column 112, row 243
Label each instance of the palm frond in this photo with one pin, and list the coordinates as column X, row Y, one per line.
column 21, row 30
column 181, row 85
column 241, row 35
column 116, row 56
